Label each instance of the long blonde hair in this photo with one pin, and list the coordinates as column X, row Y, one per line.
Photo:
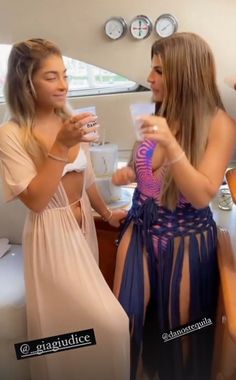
column 191, row 97
column 24, row 60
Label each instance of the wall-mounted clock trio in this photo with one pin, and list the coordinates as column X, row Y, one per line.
column 141, row 27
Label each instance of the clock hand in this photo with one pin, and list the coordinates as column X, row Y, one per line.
column 165, row 27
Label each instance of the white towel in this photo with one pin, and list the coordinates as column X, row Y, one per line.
column 4, row 246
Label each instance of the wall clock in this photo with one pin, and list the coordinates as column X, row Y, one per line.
column 115, row 28
column 166, row 25
column 140, row 27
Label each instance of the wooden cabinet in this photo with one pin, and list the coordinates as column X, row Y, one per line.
column 107, row 236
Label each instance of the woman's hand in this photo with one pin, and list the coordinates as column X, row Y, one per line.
column 75, row 130
column 118, row 216
column 123, row 176
column 156, row 128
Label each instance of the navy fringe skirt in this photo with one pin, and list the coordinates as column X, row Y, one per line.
column 156, row 231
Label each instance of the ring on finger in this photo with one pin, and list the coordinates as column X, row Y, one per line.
column 155, row 128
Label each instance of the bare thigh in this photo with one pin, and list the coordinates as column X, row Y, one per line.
column 120, row 262
column 185, row 299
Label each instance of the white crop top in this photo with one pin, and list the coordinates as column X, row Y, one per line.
column 78, row 165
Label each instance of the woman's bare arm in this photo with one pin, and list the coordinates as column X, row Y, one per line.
column 198, row 185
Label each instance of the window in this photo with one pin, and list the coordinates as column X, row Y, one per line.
column 84, row 79
column 4, row 53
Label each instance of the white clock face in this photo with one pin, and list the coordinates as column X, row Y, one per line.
column 166, row 25
column 115, row 28
column 140, row 27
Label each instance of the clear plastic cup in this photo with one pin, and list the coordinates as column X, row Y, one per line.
column 91, row 109
column 137, row 110
column 225, row 201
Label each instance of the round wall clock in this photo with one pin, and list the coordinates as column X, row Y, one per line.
column 166, row 25
column 140, row 27
column 115, row 28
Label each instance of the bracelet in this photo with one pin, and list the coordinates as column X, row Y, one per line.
column 109, row 217
column 57, row 158
column 178, row 158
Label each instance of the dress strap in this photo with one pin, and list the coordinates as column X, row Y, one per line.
column 74, row 203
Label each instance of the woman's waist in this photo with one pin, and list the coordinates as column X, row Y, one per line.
column 60, row 203
column 66, row 196
column 56, row 211
column 146, row 211
column 73, row 185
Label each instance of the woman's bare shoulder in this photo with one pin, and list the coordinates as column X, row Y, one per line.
column 222, row 116
column 222, row 122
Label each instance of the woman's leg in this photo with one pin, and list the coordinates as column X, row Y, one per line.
column 120, row 264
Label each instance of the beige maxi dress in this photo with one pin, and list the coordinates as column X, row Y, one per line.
column 65, row 290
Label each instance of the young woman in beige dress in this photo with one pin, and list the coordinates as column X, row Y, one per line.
column 45, row 163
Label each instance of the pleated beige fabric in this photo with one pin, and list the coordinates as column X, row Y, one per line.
column 65, row 290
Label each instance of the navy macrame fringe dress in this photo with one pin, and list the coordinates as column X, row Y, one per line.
column 156, row 230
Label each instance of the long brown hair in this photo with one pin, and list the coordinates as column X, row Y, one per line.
column 24, row 60
column 191, row 97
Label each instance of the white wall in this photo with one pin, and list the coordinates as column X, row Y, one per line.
column 77, row 27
